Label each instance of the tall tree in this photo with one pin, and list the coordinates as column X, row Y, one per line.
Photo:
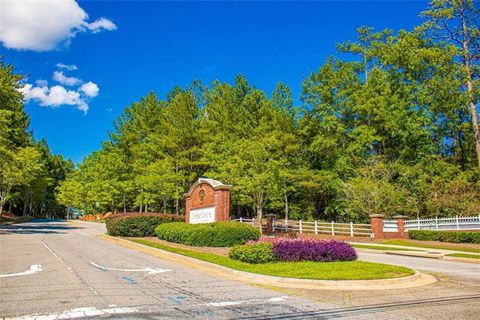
column 457, row 21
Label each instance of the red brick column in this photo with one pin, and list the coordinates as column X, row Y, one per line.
column 188, row 205
column 222, row 205
column 401, row 226
column 377, row 226
column 270, row 218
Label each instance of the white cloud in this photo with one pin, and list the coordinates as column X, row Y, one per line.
column 41, row 83
column 62, row 79
column 55, row 96
column 90, row 89
column 70, row 67
column 44, row 25
column 101, row 24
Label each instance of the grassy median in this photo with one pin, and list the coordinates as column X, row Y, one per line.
column 431, row 246
column 382, row 248
column 349, row 270
column 464, row 255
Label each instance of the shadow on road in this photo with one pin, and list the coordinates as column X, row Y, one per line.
column 38, row 226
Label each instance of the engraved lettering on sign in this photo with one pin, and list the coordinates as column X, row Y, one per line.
column 202, row 215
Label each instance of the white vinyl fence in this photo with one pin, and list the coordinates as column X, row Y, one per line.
column 316, row 227
column 456, row 223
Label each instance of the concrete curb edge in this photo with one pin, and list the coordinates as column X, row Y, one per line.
column 415, row 280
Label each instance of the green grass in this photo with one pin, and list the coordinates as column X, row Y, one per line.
column 8, row 221
column 348, row 270
column 383, row 248
column 464, row 255
column 430, row 246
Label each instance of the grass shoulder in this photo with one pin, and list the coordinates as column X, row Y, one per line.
column 348, row 270
column 14, row 220
column 464, row 255
column 382, row 248
column 409, row 243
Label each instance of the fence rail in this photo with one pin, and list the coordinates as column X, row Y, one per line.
column 316, row 227
column 456, row 223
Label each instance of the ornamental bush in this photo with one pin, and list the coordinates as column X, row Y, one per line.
column 261, row 252
column 313, row 250
column 215, row 234
column 137, row 224
column 445, row 236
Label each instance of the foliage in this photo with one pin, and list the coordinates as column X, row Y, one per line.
column 137, row 224
column 313, row 250
column 342, row 270
column 445, row 236
column 388, row 125
column 217, row 234
column 261, row 252
column 29, row 173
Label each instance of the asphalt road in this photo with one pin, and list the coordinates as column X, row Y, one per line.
column 56, row 269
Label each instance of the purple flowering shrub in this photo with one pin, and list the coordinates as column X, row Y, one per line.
column 303, row 250
column 313, row 250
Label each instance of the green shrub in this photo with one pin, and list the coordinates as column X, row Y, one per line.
column 261, row 252
column 216, row 234
column 137, row 224
column 445, row 236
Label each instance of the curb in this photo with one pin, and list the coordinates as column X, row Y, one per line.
column 460, row 259
column 415, row 280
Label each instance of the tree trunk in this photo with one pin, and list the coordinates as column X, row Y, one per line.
column 471, row 99
column 124, row 204
column 286, row 200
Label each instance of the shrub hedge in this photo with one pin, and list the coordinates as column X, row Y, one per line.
column 137, row 224
column 216, row 234
column 445, row 236
column 261, row 252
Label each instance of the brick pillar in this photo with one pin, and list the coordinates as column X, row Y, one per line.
column 188, row 205
column 401, row 226
column 222, row 205
column 377, row 226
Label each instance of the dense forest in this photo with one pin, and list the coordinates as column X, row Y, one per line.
column 29, row 173
column 388, row 125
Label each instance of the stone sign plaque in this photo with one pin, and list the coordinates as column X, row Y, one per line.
column 202, row 215
column 208, row 200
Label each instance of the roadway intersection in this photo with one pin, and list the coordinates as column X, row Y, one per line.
column 60, row 270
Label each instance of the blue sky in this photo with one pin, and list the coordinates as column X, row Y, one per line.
column 152, row 46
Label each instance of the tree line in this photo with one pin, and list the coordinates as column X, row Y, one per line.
column 29, row 173
column 388, row 125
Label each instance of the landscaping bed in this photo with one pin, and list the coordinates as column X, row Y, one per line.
column 344, row 270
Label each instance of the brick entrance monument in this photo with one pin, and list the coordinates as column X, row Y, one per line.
column 207, row 201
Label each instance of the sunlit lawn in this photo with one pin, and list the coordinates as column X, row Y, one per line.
column 349, row 270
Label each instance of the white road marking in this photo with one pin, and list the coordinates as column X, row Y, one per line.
column 34, row 268
column 236, row 303
column 76, row 313
column 149, row 270
column 68, row 268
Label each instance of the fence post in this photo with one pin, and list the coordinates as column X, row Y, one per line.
column 377, row 226
column 300, row 226
column 351, row 229
column 418, row 223
column 241, row 219
column 316, row 227
column 253, row 221
column 333, row 228
column 458, row 226
column 401, row 226
column 436, row 223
